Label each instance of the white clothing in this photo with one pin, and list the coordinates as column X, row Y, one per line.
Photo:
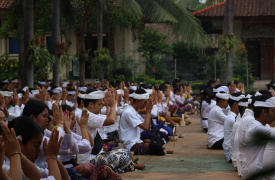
column 204, row 104
column 129, row 132
column 172, row 99
column 251, row 151
column 82, row 146
column 216, row 120
column 228, row 125
column 70, row 103
column 234, row 129
column 95, row 124
column 226, row 110
column 15, row 111
column 179, row 100
column 206, row 111
column 162, row 107
column 50, row 105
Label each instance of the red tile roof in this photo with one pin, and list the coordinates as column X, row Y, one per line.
column 5, row 4
column 242, row 8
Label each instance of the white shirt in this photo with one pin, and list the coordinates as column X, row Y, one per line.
column 216, row 120
column 228, row 125
column 129, row 132
column 251, row 151
column 115, row 126
column 204, row 104
column 70, row 103
column 95, row 123
column 226, row 110
column 204, row 123
column 179, row 100
column 162, row 107
column 15, row 111
column 234, row 130
column 82, row 146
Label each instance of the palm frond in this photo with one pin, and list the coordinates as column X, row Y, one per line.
column 131, row 7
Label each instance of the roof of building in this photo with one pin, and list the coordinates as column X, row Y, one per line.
column 5, row 4
column 242, row 8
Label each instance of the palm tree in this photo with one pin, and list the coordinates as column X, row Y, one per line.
column 28, row 34
column 55, row 39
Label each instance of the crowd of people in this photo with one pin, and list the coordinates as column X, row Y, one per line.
column 93, row 131
column 242, row 124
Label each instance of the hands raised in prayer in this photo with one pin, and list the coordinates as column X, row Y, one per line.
column 149, row 105
column 83, row 120
column 58, row 115
column 15, row 100
column 51, row 149
column 109, row 98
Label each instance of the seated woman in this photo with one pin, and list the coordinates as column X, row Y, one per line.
column 184, row 108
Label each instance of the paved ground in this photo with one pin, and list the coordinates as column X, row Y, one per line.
column 191, row 159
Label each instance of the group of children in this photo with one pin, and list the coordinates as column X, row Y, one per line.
column 85, row 132
column 242, row 125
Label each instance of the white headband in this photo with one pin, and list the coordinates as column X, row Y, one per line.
column 134, row 88
column 41, row 83
column 95, row 95
column 141, row 96
column 71, row 92
column 149, row 91
column 222, row 88
column 25, row 88
column 268, row 103
column 20, row 96
column 6, row 93
column 131, row 95
column 249, row 96
column 5, row 81
column 119, row 91
column 82, row 89
column 82, row 96
column 15, row 81
column 57, row 90
column 224, row 96
column 238, row 98
column 65, row 84
column 245, row 104
column 49, row 88
column 34, row 92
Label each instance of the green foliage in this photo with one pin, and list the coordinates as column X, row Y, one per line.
column 241, row 53
column 124, row 65
column 65, row 60
column 210, row 67
column 101, row 61
column 146, row 79
column 152, row 43
column 40, row 57
column 9, row 68
column 239, row 71
column 182, row 49
column 227, row 43
column 197, row 85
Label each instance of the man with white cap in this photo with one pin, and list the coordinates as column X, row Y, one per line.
column 216, row 120
column 70, row 98
column 229, row 121
column 254, row 134
column 131, row 121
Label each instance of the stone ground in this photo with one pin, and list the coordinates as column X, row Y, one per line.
column 191, row 159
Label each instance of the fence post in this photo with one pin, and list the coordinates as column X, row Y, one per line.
column 133, row 71
column 215, row 70
column 246, row 73
column 175, row 68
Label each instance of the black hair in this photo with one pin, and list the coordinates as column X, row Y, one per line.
column 229, row 83
column 236, row 82
column 65, row 107
column 212, row 81
column 25, row 127
column 34, row 107
column 231, row 101
column 162, row 87
column 54, row 87
column 51, row 93
column 21, row 91
column 70, row 89
column 127, row 85
column 88, row 85
column 79, row 99
column 114, row 85
column 139, row 91
column 263, row 97
column 177, row 89
column 118, row 82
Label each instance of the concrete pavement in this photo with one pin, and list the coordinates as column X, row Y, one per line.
column 191, row 159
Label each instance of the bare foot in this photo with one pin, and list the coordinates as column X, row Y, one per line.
column 163, row 147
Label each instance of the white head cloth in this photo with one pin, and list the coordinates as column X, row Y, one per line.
column 248, row 96
column 245, row 104
column 268, row 103
column 222, row 88
column 71, row 92
column 134, row 88
column 224, row 96
column 131, row 95
column 95, row 95
column 82, row 96
column 65, row 84
column 15, row 81
column 6, row 93
column 57, row 90
column 141, row 96
column 34, row 92
column 238, row 98
column 25, row 88
column 119, row 91
column 258, row 93
column 149, row 91
column 82, row 89
column 5, row 81
column 41, row 83
column 49, row 88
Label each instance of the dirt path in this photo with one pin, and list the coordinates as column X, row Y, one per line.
column 191, row 159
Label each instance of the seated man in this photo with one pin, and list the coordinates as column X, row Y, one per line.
column 131, row 121
column 229, row 122
column 216, row 121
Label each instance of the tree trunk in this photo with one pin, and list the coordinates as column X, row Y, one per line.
column 28, row 34
column 55, row 39
column 67, row 38
column 100, row 34
column 227, row 75
column 21, row 73
column 82, row 34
